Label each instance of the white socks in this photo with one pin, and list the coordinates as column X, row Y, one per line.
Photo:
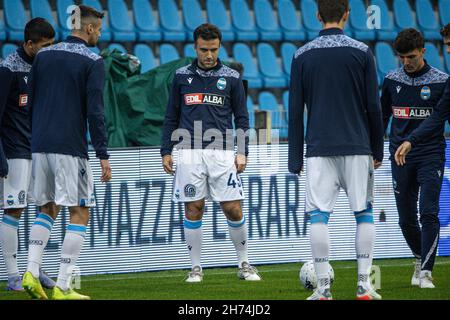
column 9, row 243
column 320, row 247
column 239, row 236
column 73, row 242
column 39, row 235
column 364, row 242
column 193, row 233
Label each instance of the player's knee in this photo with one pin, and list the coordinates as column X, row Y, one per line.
column 318, row 216
column 15, row 213
column 51, row 209
column 79, row 215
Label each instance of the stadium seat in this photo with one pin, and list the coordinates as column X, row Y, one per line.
column 7, row 49
column 433, row 57
column 15, row 18
column 146, row 56
column 251, row 111
column 444, row 11
column 268, row 102
column 243, row 21
column 312, row 25
column 2, row 30
column 118, row 47
column 42, row 9
column 388, row 31
column 189, row 50
column 358, row 21
column 270, row 68
column 106, row 31
column 95, row 50
column 147, row 26
column 386, row 60
column 243, row 54
column 218, row 15
column 170, row 20
column 167, row 53
column 62, row 6
column 193, row 17
column 121, row 24
column 266, row 21
column 427, row 20
column 404, row 16
column 287, row 53
column 290, row 21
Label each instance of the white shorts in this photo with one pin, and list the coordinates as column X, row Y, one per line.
column 206, row 174
column 326, row 175
column 63, row 179
column 14, row 190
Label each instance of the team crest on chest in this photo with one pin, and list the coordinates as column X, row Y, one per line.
column 425, row 93
column 221, row 84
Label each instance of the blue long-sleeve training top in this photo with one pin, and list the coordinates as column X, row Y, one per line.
column 66, row 92
column 433, row 123
column 210, row 98
column 335, row 77
column 410, row 98
column 15, row 131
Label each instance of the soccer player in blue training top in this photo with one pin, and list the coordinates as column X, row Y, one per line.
column 15, row 149
column 205, row 95
column 66, row 91
column 412, row 94
column 335, row 76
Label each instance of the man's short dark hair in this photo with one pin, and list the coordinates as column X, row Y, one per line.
column 87, row 13
column 445, row 31
column 207, row 31
column 332, row 10
column 408, row 40
column 38, row 29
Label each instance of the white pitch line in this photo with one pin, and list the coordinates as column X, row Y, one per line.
column 139, row 275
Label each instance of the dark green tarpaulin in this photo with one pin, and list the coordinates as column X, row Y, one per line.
column 135, row 103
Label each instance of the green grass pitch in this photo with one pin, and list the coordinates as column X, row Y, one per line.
column 280, row 282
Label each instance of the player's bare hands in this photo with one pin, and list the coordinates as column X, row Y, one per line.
column 377, row 164
column 240, row 162
column 167, row 163
column 402, row 151
column 106, row 171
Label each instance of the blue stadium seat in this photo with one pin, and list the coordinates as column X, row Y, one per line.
column 266, row 21
column 444, row 11
column 270, row 68
column 147, row 26
column 312, row 25
column 95, row 50
column 189, row 50
column 243, row 21
column 287, row 53
column 62, row 7
column 268, row 102
column 42, row 9
column 217, row 15
column 243, row 54
column 167, row 53
column 386, row 59
column 106, row 31
column 290, row 21
column 193, row 17
column 2, row 30
column 121, row 24
column 404, row 16
column 433, row 57
column 7, row 49
column 170, row 20
column 146, row 56
column 118, row 47
column 223, row 54
column 15, row 18
column 388, row 31
column 427, row 20
column 358, row 21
